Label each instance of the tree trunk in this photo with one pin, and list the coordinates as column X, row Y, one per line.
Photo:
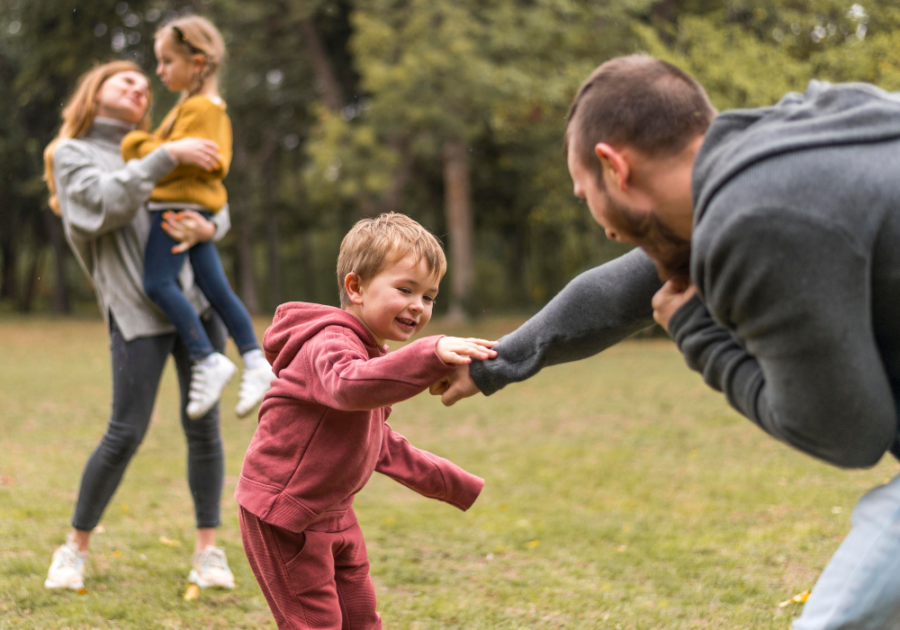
column 8, row 286
column 326, row 79
column 458, row 212
column 27, row 303
column 60, row 289
column 245, row 266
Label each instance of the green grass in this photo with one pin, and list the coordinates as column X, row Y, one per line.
column 621, row 493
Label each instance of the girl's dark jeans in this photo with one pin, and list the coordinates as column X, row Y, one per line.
column 161, row 269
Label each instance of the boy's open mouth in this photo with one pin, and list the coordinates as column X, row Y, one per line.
column 408, row 323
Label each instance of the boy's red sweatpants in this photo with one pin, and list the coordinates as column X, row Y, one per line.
column 315, row 580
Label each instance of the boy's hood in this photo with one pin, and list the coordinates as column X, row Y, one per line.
column 297, row 322
column 824, row 115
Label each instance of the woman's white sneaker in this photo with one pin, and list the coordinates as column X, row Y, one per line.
column 254, row 385
column 208, row 379
column 67, row 567
column 211, row 569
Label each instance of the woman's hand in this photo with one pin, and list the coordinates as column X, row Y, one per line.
column 669, row 299
column 198, row 152
column 188, row 227
column 459, row 351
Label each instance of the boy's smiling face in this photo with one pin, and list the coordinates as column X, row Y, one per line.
column 397, row 303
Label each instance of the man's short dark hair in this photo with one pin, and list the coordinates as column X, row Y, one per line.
column 640, row 102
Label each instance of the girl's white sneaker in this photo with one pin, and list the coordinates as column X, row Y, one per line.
column 211, row 569
column 67, row 567
column 208, row 379
column 254, row 385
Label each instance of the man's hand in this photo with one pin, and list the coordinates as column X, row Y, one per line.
column 187, row 227
column 455, row 387
column 669, row 299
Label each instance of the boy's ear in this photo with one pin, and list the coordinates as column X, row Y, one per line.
column 353, row 286
column 198, row 62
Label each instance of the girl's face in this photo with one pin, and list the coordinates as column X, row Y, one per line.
column 173, row 67
column 124, row 96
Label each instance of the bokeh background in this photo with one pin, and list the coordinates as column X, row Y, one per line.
column 451, row 111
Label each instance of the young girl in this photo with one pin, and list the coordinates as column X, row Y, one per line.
column 189, row 51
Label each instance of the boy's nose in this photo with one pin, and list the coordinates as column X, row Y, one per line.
column 416, row 306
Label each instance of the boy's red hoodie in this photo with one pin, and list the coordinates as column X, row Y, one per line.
column 322, row 429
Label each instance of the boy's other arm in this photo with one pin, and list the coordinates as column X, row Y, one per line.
column 596, row 310
column 98, row 201
column 429, row 475
column 800, row 359
column 351, row 381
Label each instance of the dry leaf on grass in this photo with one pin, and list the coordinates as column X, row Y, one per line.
column 192, row 593
column 169, row 542
column 799, row 598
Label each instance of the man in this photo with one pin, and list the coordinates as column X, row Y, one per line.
column 776, row 232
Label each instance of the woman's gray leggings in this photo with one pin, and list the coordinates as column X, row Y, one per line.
column 137, row 367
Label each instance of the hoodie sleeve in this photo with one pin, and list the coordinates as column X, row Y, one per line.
column 596, row 310
column 349, row 380
column 429, row 475
column 798, row 356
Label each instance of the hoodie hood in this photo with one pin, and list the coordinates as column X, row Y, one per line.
column 824, row 115
column 297, row 322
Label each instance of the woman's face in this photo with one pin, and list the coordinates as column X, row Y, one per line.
column 124, row 96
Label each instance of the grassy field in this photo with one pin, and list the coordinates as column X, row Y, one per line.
column 621, row 493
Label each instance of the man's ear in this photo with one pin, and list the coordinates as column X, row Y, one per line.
column 353, row 286
column 615, row 163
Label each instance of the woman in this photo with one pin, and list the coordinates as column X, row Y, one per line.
column 100, row 199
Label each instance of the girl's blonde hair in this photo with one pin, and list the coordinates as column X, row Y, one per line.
column 78, row 115
column 193, row 35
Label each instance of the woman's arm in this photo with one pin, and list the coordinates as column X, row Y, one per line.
column 95, row 201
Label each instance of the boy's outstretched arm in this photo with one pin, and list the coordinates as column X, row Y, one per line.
column 429, row 475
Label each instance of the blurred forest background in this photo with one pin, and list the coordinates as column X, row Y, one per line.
column 451, row 111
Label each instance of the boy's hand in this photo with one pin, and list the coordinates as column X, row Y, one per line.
column 459, row 351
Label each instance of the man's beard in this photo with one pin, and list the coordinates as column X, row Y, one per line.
column 670, row 252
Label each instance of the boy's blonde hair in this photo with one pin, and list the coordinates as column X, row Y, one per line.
column 373, row 244
column 194, row 35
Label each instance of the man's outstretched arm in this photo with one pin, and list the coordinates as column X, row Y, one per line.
column 594, row 311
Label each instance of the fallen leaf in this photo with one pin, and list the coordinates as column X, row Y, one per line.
column 6, row 481
column 799, row 598
column 117, row 553
column 192, row 593
column 82, row 591
column 533, row 544
column 169, row 542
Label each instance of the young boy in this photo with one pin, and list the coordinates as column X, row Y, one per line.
column 322, row 429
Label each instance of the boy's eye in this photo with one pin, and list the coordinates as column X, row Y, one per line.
column 404, row 290
column 428, row 298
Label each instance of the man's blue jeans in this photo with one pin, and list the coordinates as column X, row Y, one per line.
column 860, row 587
column 161, row 269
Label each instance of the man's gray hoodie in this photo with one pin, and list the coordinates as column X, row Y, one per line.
column 796, row 259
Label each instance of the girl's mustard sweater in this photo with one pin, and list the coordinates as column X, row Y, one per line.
column 197, row 117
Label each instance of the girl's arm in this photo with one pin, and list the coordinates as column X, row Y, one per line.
column 95, row 201
column 198, row 117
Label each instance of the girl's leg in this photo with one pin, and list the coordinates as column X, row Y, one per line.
column 161, row 269
column 210, row 277
column 137, row 366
